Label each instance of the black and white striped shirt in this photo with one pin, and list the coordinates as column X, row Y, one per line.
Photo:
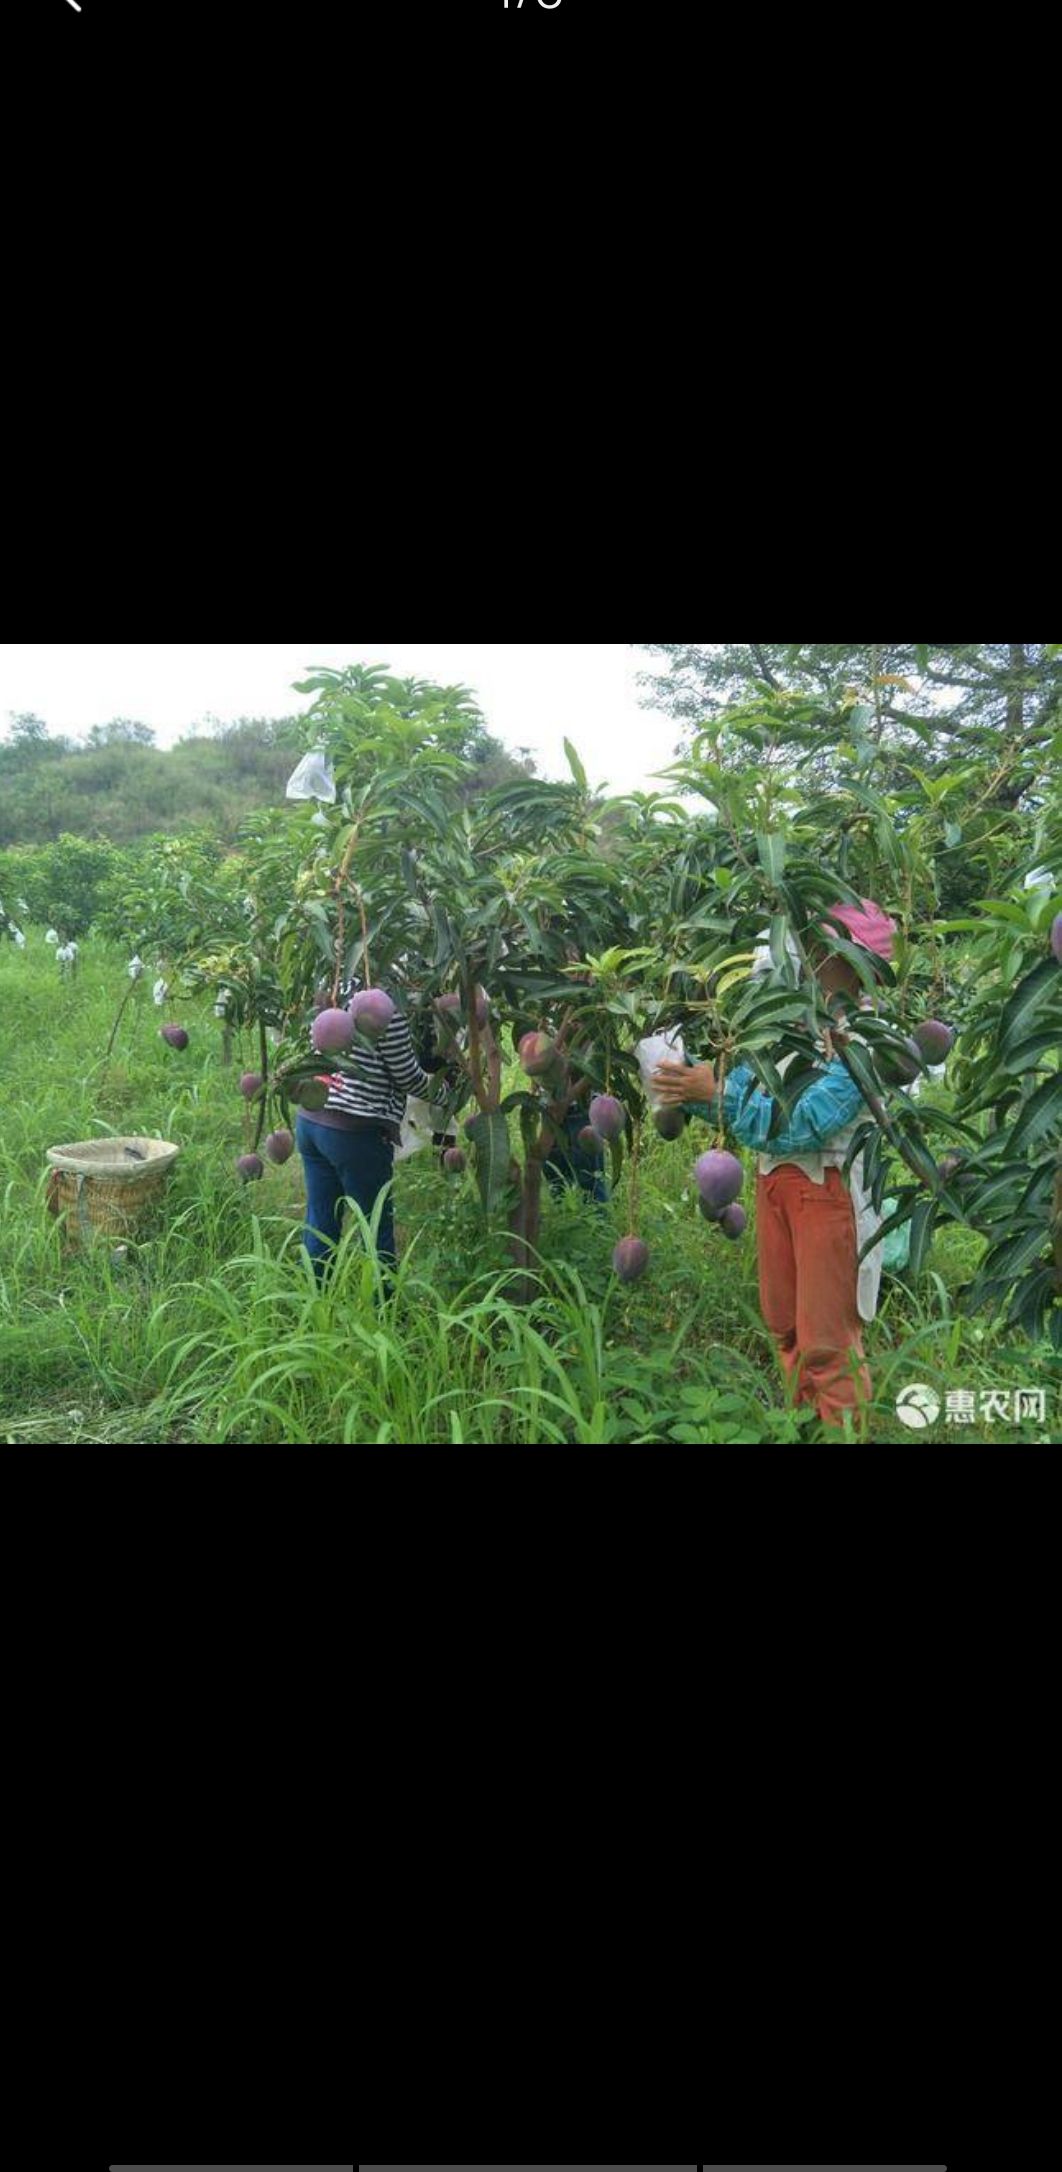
column 374, row 1082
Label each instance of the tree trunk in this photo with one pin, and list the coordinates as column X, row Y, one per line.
column 524, row 1222
column 1013, row 785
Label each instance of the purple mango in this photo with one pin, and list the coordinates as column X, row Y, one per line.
column 719, row 1177
column 732, row 1221
column 607, row 1115
column 934, row 1039
column 372, row 1011
column 537, row 1053
column 900, row 1065
column 630, row 1258
column 332, row 1030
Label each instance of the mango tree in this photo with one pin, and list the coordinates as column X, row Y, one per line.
column 480, row 913
column 790, row 841
column 1009, row 1182
column 210, row 918
column 589, row 921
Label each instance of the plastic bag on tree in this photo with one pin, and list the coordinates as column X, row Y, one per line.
column 657, row 1048
column 312, row 779
column 420, row 1120
column 896, row 1247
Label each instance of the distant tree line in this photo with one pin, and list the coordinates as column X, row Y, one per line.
column 115, row 785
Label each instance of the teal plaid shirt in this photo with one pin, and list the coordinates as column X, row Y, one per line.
column 823, row 1109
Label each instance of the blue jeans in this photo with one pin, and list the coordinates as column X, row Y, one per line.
column 343, row 1165
column 569, row 1163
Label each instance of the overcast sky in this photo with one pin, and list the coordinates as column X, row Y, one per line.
column 532, row 695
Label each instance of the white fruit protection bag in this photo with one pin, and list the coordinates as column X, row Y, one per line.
column 421, row 1119
column 657, row 1048
column 313, row 778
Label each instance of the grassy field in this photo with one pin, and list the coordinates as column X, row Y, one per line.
column 212, row 1329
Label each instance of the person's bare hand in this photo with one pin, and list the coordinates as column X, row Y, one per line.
column 677, row 1082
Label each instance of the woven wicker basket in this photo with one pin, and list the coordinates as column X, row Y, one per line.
column 109, row 1187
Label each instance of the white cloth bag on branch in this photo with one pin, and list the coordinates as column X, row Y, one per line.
column 657, row 1048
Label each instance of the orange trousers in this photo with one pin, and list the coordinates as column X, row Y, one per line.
column 808, row 1272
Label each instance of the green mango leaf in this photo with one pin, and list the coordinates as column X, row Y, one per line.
column 1024, row 1056
column 445, row 945
column 876, row 1168
column 922, row 1221
column 1041, row 1116
column 862, row 1137
column 795, row 1081
column 575, row 765
column 489, row 1134
column 1038, row 1190
column 858, row 1064
column 772, row 852
column 1031, row 1301
column 871, row 975
column 860, row 717
column 907, row 1199
column 1011, row 1258
column 918, row 1152
column 1005, row 1183
column 1002, row 908
column 768, row 1074
column 1026, row 998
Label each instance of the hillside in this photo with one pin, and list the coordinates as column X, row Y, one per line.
column 123, row 788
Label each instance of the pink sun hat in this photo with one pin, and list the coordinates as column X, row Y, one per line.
column 866, row 923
